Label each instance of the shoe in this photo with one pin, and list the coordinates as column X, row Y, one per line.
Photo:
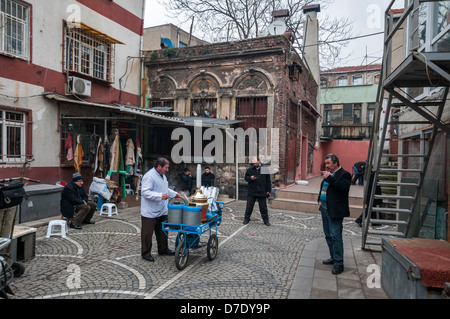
column 329, row 261
column 168, row 253
column 149, row 258
column 246, row 221
column 89, row 222
column 72, row 225
column 359, row 223
column 337, row 269
column 266, row 223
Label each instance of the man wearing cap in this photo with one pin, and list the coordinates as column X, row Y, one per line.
column 74, row 203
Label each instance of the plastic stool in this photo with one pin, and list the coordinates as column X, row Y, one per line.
column 109, row 208
column 57, row 228
column 128, row 189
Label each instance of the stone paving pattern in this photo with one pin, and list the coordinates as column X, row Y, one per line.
column 254, row 261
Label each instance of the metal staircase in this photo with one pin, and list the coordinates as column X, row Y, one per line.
column 420, row 69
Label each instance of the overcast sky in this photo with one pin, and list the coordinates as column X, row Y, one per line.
column 367, row 17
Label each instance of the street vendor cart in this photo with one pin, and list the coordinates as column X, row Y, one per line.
column 188, row 235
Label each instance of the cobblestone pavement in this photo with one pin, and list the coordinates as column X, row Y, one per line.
column 103, row 260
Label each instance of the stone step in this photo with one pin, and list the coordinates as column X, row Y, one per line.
column 311, row 197
column 308, row 206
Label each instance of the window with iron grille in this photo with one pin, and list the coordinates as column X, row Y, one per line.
column 14, row 28
column 89, row 54
column 12, row 136
column 252, row 111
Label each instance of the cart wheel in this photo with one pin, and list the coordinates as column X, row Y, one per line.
column 18, row 269
column 181, row 255
column 213, row 247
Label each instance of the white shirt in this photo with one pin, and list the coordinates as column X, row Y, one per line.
column 153, row 186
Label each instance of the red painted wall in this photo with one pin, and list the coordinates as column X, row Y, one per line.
column 348, row 152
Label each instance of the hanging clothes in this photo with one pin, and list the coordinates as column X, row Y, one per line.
column 106, row 155
column 129, row 158
column 93, row 152
column 99, row 158
column 69, row 147
column 139, row 160
column 115, row 147
column 78, row 156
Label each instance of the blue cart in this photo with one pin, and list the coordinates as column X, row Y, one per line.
column 188, row 237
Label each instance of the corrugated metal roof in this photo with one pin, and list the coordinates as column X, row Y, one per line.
column 126, row 109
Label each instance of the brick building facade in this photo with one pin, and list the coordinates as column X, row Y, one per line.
column 262, row 83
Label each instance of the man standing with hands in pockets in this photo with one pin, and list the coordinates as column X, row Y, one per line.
column 333, row 200
column 155, row 193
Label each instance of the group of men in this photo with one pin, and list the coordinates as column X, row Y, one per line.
column 155, row 193
column 187, row 180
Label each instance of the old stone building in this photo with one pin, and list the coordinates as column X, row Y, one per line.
column 253, row 84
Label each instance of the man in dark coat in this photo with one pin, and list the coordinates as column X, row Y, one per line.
column 259, row 188
column 333, row 200
column 208, row 178
column 359, row 169
column 75, row 205
column 186, row 180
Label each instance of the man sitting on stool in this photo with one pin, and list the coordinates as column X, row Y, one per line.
column 74, row 203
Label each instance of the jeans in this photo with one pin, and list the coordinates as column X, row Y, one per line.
column 332, row 227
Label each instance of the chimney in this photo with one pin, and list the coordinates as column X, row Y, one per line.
column 311, row 40
column 311, row 56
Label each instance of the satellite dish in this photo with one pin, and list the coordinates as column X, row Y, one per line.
column 277, row 27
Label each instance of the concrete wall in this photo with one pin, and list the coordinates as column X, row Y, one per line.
column 153, row 35
column 349, row 94
column 23, row 80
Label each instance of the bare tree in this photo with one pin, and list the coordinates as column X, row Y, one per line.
column 228, row 20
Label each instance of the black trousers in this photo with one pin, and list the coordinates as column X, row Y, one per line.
column 262, row 207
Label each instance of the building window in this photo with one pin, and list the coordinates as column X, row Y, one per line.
column 14, row 26
column 12, row 136
column 89, row 54
column 357, row 113
column 204, row 107
column 162, row 103
column 342, row 81
column 252, row 111
column 357, row 80
column 370, row 113
column 323, row 83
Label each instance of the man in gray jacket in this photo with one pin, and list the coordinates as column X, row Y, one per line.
column 155, row 193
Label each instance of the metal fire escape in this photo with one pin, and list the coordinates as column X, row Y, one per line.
column 424, row 67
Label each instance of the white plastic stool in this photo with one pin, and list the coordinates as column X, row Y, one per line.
column 57, row 228
column 128, row 189
column 109, row 208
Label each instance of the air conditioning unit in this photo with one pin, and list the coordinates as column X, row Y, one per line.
column 79, row 86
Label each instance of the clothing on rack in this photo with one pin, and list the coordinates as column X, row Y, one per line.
column 130, row 158
column 78, row 155
column 69, row 147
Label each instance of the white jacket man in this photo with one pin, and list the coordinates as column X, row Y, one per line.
column 154, row 186
column 155, row 194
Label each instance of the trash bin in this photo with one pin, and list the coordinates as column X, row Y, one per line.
column 41, row 201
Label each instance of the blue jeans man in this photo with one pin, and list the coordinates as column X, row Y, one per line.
column 332, row 228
